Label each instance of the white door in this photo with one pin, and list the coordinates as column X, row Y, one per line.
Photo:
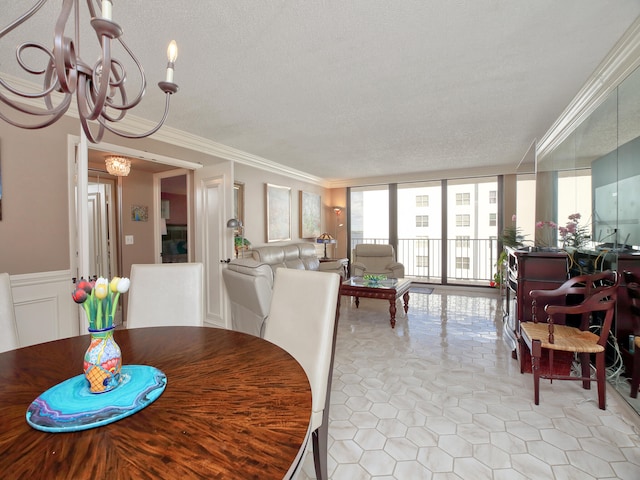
column 102, row 248
column 213, row 188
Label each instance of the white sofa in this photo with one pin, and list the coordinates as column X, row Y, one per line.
column 301, row 256
column 249, row 281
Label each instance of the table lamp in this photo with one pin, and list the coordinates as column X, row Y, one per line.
column 325, row 238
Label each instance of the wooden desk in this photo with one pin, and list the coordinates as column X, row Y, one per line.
column 391, row 290
column 235, row 406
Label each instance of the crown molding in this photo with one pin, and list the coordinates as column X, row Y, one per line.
column 621, row 61
column 176, row 137
column 424, row 176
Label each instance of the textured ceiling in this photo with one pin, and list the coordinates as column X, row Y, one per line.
column 360, row 88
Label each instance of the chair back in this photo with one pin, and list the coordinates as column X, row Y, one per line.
column 249, row 285
column 602, row 296
column 373, row 255
column 581, row 287
column 379, row 259
column 166, row 294
column 9, row 337
column 302, row 321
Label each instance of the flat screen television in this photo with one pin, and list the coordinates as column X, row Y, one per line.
column 615, row 180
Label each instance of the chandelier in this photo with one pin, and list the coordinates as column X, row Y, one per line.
column 118, row 166
column 99, row 89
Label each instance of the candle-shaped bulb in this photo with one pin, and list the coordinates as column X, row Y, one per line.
column 106, row 9
column 172, row 51
column 172, row 54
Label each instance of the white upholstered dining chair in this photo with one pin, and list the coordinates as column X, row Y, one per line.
column 302, row 320
column 9, row 337
column 166, row 294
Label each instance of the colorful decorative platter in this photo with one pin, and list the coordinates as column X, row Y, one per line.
column 70, row 406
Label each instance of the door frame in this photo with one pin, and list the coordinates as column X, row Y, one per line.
column 78, row 169
column 157, row 199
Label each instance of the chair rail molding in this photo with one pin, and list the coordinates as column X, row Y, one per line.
column 44, row 308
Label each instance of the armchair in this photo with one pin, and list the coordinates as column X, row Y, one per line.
column 377, row 260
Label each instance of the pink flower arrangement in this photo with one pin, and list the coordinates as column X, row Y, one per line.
column 573, row 235
column 547, row 238
column 99, row 299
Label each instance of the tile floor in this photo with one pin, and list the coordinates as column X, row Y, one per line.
column 439, row 397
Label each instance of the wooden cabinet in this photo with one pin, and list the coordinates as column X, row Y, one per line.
column 625, row 324
column 530, row 270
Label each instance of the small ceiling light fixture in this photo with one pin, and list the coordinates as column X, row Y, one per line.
column 118, row 166
column 99, row 88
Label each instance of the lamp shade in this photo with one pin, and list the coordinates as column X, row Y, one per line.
column 325, row 238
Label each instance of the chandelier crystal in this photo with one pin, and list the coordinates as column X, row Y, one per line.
column 118, row 166
column 101, row 98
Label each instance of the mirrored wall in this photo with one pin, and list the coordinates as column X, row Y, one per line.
column 595, row 172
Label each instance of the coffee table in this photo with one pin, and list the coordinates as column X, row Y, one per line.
column 390, row 289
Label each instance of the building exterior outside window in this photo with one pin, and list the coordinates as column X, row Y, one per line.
column 422, row 220
column 463, row 198
column 462, row 263
column 422, row 201
column 463, row 241
column 463, row 220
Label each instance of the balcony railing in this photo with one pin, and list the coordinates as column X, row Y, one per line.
column 469, row 261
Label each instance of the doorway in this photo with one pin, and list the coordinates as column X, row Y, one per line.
column 175, row 210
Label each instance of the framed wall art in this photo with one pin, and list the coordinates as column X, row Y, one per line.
column 310, row 210
column 139, row 213
column 278, row 213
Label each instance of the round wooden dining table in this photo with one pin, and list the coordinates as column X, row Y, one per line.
column 235, row 406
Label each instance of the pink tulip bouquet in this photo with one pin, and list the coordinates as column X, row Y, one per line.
column 99, row 299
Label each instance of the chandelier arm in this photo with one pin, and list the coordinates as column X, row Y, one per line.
column 64, row 52
column 143, row 80
column 140, row 135
column 23, row 18
column 38, row 46
column 100, row 72
column 119, row 84
column 86, row 128
column 45, row 92
column 84, row 100
column 56, row 113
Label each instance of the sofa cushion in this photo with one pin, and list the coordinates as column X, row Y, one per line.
column 299, row 256
column 272, row 256
column 292, row 257
column 307, row 252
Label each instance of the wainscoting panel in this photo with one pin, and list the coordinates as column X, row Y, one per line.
column 44, row 308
